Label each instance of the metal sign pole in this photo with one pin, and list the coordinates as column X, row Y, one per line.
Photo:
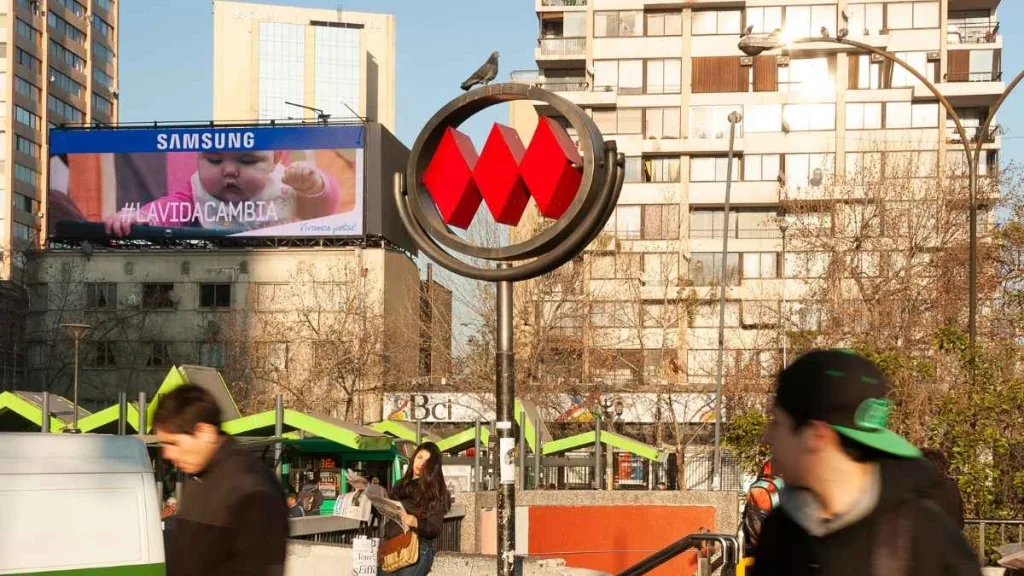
column 505, row 395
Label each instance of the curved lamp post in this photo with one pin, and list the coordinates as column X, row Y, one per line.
column 77, row 332
column 752, row 46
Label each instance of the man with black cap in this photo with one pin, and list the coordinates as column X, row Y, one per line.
column 856, row 493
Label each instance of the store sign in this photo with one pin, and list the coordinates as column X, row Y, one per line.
column 439, row 407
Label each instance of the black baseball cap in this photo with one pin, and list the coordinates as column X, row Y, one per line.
column 847, row 391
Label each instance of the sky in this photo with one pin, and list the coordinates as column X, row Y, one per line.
column 167, row 47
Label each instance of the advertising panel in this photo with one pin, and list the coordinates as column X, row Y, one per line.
column 279, row 181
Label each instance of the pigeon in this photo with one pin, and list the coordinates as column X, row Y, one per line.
column 824, row 32
column 748, row 31
column 484, row 74
column 843, row 33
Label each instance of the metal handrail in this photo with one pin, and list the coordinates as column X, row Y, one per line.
column 728, row 544
column 1002, row 524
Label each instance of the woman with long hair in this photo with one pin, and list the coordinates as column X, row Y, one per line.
column 424, row 494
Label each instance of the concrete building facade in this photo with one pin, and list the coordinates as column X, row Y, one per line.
column 338, row 61
column 661, row 77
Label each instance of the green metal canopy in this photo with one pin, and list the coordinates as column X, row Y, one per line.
column 108, row 416
column 202, row 376
column 609, row 438
column 403, row 430
column 462, row 440
column 343, row 433
column 28, row 409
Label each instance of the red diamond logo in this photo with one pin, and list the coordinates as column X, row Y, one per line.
column 551, row 170
column 449, row 179
column 497, row 175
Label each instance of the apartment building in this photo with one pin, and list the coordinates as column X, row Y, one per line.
column 59, row 66
column 661, row 78
column 338, row 61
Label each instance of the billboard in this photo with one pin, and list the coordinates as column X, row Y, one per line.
column 207, row 182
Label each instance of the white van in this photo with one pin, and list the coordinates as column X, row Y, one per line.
column 78, row 504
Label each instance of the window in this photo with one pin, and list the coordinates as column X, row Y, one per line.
column 664, row 23
column 659, row 316
column 101, row 295
column 622, row 265
column 765, row 20
column 102, row 78
column 158, row 355
column 761, row 167
column 762, row 118
column 100, row 355
column 102, row 104
column 158, row 296
column 809, row 76
column 26, row 146
column 907, row 15
column 100, row 25
column 807, row 169
column 869, row 73
column 706, row 269
column 712, row 122
column 624, row 222
column 26, row 204
column 806, row 264
column 618, row 24
column 809, row 117
column 26, row 31
column 212, row 354
column 66, row 27
column 619, row 121
column 902, row 78
column 760, row 265
column 762, row 313
column 215, row 295
column 336, row 63
column 907, row 115
column 713, row 169
column 23, row 233
column 660, row 222
column 708, row 22
column 956, row 163
column 626, row 76
column 804, row 21
column 58, row 106
column 28, row 89
column 864, row 116
column 27, row 118
column 664, row 76
column 60, row 80
column 982, row 63
column 78, row 9
column 661, row 123
column 806, row 316
column 747, row 223
column 26, row 175
column 272, row 296
column 660, row 169
column 27, row 60
column 921, row 164
column 661, row 269
column 101, row 52
column 866, row 19
column 971, row 119
column 62, row 54
column 864, row 166
column 275, row 356
column 105, row 4
column 707, row 223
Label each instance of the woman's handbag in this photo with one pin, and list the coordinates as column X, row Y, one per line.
column 399, row 552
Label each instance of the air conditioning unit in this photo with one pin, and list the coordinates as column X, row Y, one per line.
column 782, row 60
column 186, row 268
column 877, row 58
column 933, row 56
column 746, row 61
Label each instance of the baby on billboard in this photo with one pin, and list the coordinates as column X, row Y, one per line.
column 238, row 191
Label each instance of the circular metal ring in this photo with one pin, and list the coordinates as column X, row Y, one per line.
column 422, row 207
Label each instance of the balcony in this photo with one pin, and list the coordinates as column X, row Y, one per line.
column 563, row 3
column 973, row 134
column 990, row 76
column 560, row 48
column 970, row 33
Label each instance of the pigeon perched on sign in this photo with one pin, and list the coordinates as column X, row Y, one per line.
column 484, row 74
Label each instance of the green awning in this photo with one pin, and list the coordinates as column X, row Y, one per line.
column 29, row 407
column 403, row 431
column 348, row 435
column 107, row 416
column 461, row 440
column 203, row 376
column 612, row 439
column 528, row 417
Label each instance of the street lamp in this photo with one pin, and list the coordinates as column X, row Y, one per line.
column 734, row 119
column 755, row 45
column 77, row 332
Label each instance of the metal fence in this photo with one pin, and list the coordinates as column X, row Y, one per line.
column 986, row 536
column 336, row 530
column 563, row 46
column 563, row 3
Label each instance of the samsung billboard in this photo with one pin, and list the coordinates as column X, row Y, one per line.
column 274, row 181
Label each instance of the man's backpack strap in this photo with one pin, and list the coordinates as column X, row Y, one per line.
column 893, row 550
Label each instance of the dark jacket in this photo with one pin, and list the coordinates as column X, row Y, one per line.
column 429, row 521
column 947, row 495
column 934, row 545
column 232, row 520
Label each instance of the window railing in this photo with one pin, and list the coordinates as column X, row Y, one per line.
column 973, row 134
column 974, row 76
column 563, row 3
column 565, row 85
column 556, row 46
column 963, row 33
column 741, row 233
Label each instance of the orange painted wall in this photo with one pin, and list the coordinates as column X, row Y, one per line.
column 592, row 536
